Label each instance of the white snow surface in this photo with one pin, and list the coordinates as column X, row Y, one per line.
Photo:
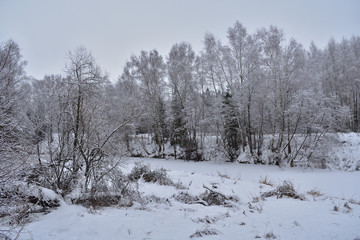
column 346, row 153
column 166, row 218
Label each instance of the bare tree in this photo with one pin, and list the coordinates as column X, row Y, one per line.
column 180, row 67
column 148, row 72
column 11, row 116
column 245, row 51
column 85, row 81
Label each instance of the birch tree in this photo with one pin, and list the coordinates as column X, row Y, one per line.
column 12, row 146
column 180, row 67
column 148, row 71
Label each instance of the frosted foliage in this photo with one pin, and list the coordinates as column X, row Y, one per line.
column 255, row 98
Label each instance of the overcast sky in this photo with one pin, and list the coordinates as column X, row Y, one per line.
column 114, row 29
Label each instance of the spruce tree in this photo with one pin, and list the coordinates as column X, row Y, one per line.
column 231, row 134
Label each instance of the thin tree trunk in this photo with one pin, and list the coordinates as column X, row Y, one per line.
column 76, row 134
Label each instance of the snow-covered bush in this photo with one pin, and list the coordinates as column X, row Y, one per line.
column 214, row 198
column 185, row 197
column 142, row 171
column 207, row 231
column 19, row 200
column 207, row 198
column 285, row 189
column 112, row 188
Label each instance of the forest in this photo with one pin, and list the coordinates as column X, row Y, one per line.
column 259, row 97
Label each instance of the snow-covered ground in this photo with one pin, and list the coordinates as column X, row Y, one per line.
column 332, row 214
column 346, row 153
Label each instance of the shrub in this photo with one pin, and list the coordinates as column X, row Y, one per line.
column 286, row 189
column 185, row 197
column 18, row 201
column 208, row 198
column 270, row 235
column 353, row 201
column 213, row 198
column 205, row 232
column 48, row 176
column 266, row 181
column 315, row 193
column 138, row 171
column 112, row 189
column 141, row 171
column 223, row 175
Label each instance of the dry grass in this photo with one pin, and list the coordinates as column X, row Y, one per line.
column 142, row 171
column 286, row 189
column 205, row 232
column 353, row 201
column 266, row 181
column 315, row 193
column 257, row 207
column 223, row 175
column 212, row 220
column 255, row 200
column 270, row 235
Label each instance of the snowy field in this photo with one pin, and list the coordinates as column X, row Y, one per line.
column 331, row 209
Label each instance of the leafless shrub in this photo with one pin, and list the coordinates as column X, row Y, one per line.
column 142, row 171
column 47, row 175
column 255, row 200
column 113, row 188
column 98, row 201
column 223, row 175
column 206, row 219
column 353, row 201
column 156, row 199
column 138, row 171
column 256, row 207
column 190, row 210
column 211, row 197
column 185, row 197
column 286, row 189
column 208, row 198
column 14, row 233
column 315, row 193
column 270, row 235
column 347, row 207
column 211, row 220
column 205, row 232
column 3, row 235
column 266, row 181
column 20, row 215
column 18, row 201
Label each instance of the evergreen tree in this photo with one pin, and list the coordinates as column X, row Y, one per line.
column 178, row 129
column 231, row 134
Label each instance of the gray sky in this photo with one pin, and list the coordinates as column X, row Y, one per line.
column 114, row 29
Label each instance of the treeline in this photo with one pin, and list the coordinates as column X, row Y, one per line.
column 254, row 87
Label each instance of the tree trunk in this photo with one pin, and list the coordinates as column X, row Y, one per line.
column 76, row 134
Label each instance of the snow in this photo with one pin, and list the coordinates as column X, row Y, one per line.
column 346, row 154
column 166, row 218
